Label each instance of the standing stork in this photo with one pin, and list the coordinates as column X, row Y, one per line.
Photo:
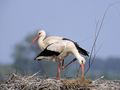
column 57, row 48
column 46, row 40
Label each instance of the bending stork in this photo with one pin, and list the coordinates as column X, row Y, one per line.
column 57, row 48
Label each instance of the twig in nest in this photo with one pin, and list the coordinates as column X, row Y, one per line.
column 98, row 79
column 13, row 76
column 33, row 75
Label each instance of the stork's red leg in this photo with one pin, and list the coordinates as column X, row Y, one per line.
column 58, row 71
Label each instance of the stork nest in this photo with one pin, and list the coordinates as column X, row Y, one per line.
column 33, row 82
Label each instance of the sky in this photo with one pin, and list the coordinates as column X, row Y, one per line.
column 74, row 19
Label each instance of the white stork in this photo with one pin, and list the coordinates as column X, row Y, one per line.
column 57, row 48
column 46, row 41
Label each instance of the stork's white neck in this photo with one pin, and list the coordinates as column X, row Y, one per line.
column 41, row 41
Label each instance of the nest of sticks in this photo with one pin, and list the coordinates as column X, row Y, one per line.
column 33, row 82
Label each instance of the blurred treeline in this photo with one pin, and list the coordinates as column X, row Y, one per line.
column 24, row 54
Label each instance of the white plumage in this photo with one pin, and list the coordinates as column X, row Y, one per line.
column 56, row 48
column 44, row 41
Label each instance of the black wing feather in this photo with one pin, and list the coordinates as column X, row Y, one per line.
column 47, row 53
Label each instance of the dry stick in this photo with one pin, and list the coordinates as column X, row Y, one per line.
column 96, row 38
column 29, row 77
column 94, row 49
column 99, row 29
column 97, row 79
column 95, row 52
column 95, row 55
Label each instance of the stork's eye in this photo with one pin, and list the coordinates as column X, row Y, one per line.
column 39, row 33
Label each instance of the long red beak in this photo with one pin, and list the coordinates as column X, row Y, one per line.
column 35, row 39
column 82, row 70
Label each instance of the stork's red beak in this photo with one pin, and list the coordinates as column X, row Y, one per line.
column 82, row 66
column 82, row 70
column 35, row 39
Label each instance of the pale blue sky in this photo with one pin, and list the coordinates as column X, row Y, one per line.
column 75, row 19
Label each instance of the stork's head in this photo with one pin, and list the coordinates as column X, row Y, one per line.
column 82, row 61
column 40, row 34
